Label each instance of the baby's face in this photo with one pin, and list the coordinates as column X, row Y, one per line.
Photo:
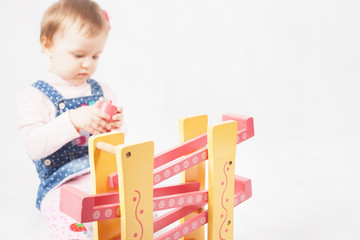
column 74, row 56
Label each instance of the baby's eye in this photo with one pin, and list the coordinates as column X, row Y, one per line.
column 95, row 57
column 78, row 55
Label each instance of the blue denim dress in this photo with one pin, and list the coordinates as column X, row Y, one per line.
column 72, row 159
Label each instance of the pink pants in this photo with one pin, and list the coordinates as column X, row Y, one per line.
column 63, row 227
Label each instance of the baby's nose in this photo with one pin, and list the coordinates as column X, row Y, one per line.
column 86, row 63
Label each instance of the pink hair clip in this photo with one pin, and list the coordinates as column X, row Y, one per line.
column 107, row 18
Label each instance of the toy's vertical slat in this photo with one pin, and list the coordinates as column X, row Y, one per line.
column 135, row 173
column 189, row 128
column 222, row 148
column 102, row 164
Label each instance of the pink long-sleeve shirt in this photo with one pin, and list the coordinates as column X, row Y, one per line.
column 40, row 131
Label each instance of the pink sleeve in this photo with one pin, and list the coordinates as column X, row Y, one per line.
column 36, row 121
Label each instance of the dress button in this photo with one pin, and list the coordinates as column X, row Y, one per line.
column 47, row 162
column 61, row 105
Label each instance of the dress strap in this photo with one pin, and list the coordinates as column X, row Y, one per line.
column 95, row 87
column 53, row 94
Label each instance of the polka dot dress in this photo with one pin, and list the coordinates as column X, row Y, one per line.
column 72, row 158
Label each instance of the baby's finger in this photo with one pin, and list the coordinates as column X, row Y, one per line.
column 91, row 130
column 96, row 133
column 102, row 114
column 99, row 126
column 118, row 117
column 104, row 125
column 116, row 125
column 120, row 109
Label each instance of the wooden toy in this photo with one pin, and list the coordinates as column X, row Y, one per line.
column 124, row 179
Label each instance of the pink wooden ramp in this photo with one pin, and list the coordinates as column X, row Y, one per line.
column 180, row 199
column 88, row 208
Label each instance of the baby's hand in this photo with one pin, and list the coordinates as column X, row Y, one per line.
column 118, row 119
column 90, row 119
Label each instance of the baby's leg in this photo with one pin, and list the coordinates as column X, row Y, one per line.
column 63, row 227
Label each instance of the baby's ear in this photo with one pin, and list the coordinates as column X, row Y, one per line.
column 46, row 46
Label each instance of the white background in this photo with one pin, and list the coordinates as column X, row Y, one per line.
column 292, row 65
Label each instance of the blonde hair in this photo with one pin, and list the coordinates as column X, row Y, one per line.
column 65, row 13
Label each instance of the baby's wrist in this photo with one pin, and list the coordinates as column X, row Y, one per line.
column 72, row 116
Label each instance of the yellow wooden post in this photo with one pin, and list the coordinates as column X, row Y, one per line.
column 221, row 150
column 102, row 164
column 135, row 173
column 189, row 128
